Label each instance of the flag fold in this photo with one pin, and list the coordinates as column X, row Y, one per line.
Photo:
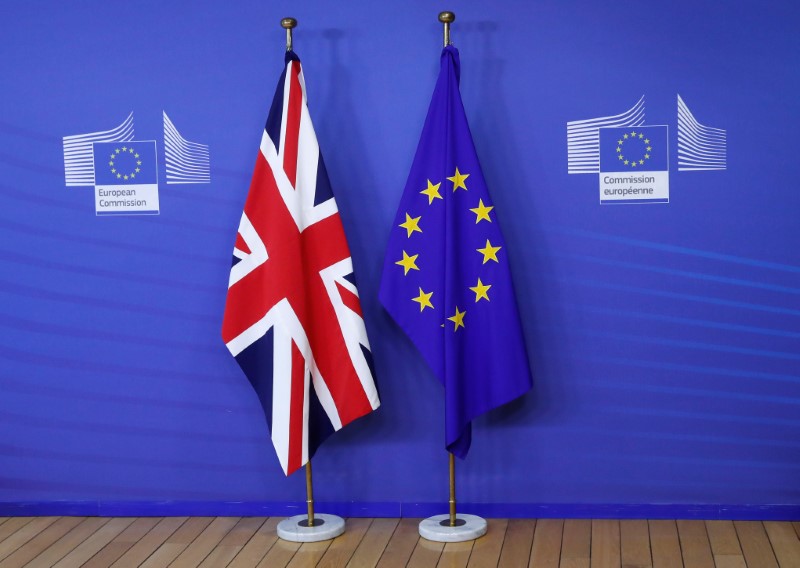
column 293, row 317
column 446, row 279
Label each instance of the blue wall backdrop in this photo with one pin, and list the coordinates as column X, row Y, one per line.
column 664, row 337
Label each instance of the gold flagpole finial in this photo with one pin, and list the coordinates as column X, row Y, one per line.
column 447, row 18
column 288, row 24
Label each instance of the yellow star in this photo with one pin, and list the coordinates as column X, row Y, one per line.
column 482, row 212
column 647, row 141
column 113, row 171
column 119, row 176
column 625, row 136
column 133, row 176
column 138, row 162
column 432, row 191
column 124, row 177
column 619, row 149
column 619, row 142
column 489, row 252
column 137, row 170
column 136, row 155
column 480, row 290
column 641, row 135
column 411, row 224
column 458, row 180
column 130, row 150
column 424, row 300
column 641, row 162
column 124, row 148
column 633, row 164
column 625, row 162
column 408, row 262
column 458, row 319
column 116, row 151
column 633, row 134
column 620, row 157
column 111, row 163
column 647, row 155
column 112, row 156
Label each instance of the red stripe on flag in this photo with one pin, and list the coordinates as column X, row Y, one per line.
column 292, row 120
column 296, row 418
column 241, row 245
column 349, row 299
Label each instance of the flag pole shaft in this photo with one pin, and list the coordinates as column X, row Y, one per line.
column 310, row 495
column 452, row 490
column 288, row 24
column 447, row 18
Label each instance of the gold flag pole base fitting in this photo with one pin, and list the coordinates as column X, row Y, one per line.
column 310, row 527
column 452, row 527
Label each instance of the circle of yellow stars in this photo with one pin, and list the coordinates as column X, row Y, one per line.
column 633, row 135
column 124, row 151
column 488, row 252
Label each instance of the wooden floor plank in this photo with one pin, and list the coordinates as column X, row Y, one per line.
column 233, row 542
column 486, row 550
column 455, row 554
column 13, row 525
column 606, row 545
column 634, row 537
column 65, row 542
column 665, row 545
column 796, row 526
column 206, row 541
column 111, row 552
column 309, row 554
column 725, row 544
column 92, row 545
column 695, row 547
column 341, row 550
column 518, row 543
column 177, row 542
column 756, row 547
column 785, row 543
column 401, row 545
column 426, row 554
column 547, row 538
column 41, row 541
column 257, row 547
column 373, row 544
column 279, row 554
column 64, row 545
column 576, row 544
column 149, row 543
column 24, row 534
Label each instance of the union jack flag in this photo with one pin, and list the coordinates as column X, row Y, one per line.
column 293, row 318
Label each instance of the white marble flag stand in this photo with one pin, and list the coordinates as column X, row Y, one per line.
column 452, row 527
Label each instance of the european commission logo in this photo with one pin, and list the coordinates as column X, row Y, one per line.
column 632, row 159
column 124, row 171
column 634, row 164
column 125, row 178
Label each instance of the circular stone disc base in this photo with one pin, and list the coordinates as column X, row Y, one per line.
column 292, row 529
column 472, row 528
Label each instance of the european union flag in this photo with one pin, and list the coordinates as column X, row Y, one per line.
column 446, row 279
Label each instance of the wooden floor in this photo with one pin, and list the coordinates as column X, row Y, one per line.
column 218, row 542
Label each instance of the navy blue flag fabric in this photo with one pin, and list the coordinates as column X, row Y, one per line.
column 446, row 279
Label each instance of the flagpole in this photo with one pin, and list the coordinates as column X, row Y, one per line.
column 452, row 527
column 447, row 18
column 307, row 528
column 310, row 494
column 452, row 489
column 288, row 24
